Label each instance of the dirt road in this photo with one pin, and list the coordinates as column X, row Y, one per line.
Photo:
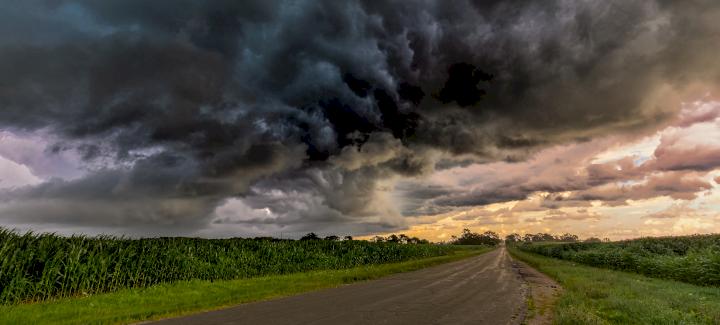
column 485, row 289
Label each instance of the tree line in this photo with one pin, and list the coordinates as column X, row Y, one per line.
column 314, row 236
column 399, row 239
column 545, row 237
column 468, row 237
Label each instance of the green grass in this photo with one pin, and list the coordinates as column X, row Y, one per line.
column 599, row 296
column 35, row 267
column 692, row 259
column 185, row 297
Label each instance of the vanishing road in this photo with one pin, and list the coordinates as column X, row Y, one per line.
column 485, row 289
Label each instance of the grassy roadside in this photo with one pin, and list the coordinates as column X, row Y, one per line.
column 599, row 296
column 180, row 298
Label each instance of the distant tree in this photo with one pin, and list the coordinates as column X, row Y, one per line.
column 399, row 239
column 468, row 237
column 593, row 240
column 332, row 238
column 310, row 236
column 491, row 238
column 540, row 237
column 348, row 238
column 545, row 237
column 415, row 241
column 568, row 238
column 513, row 238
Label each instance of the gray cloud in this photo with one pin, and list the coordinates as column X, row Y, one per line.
column 324, row 101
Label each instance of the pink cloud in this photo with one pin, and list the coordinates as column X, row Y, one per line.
column 685, row 150
column 623, row 169
column 672, row 212
column 677, row 185
column 700, row 112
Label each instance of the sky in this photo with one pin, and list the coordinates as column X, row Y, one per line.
column 278, row 118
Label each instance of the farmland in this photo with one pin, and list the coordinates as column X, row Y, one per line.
column 35, row 267
column 593, row 295
column 690, row 259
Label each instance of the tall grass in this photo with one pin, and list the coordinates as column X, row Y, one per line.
column 599, row 296
column 39, row 266
column 692, row 259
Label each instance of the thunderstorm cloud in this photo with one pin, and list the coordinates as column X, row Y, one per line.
column 327, row 115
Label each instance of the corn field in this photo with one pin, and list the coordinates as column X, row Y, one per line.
column 35, row 267
column 692, row 259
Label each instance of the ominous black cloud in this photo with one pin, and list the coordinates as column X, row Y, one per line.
column 190, row 103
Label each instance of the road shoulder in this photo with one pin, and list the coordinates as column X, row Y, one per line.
column 542, row 292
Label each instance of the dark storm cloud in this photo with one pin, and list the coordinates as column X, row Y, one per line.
column 225, row 96
column 420, row 199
